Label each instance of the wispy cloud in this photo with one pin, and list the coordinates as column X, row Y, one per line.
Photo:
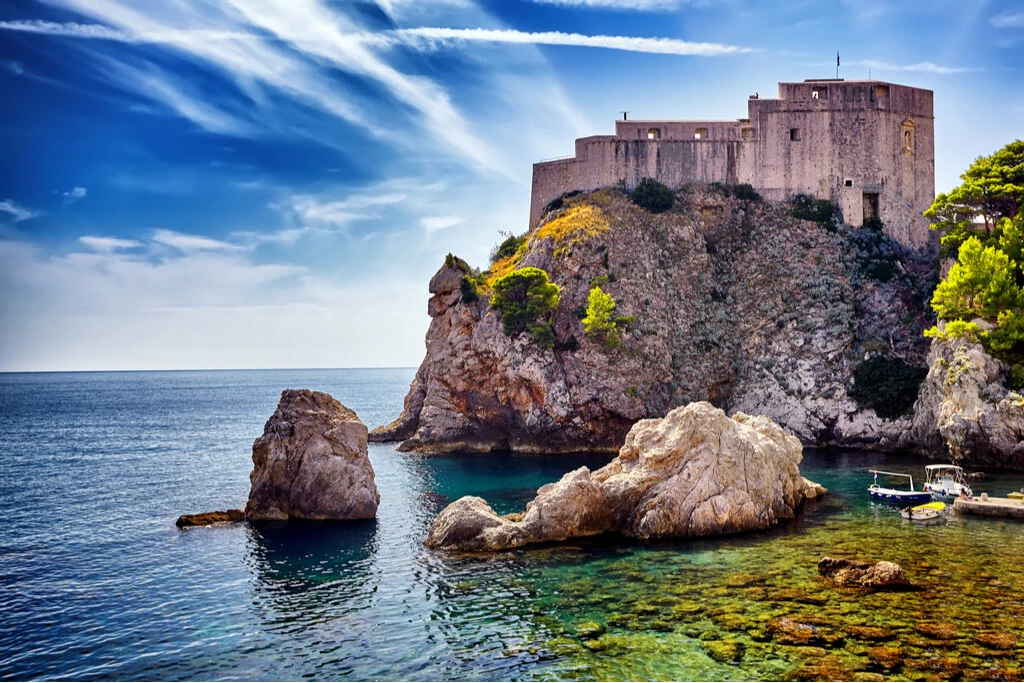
column 624, row 5
column 193, row 243
column 925, row 67
column 1008, row 20
column 665, row 46
column 433, row 224
column 17, row 212
column 108, row 245
column 74, row 194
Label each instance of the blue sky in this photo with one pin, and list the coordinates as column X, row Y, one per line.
column 271, row 183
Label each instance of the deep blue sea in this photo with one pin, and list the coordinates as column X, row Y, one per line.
column 96, row 582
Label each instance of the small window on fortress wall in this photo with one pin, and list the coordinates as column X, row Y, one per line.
column 848, row 183
column 747, row 133
column 653, row 133
column 794, row 133
column 700, row 134
column 819, row 94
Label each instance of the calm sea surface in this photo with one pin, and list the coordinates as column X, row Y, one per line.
column 97, row 583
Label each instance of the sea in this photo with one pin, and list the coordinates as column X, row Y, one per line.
column 97, row 582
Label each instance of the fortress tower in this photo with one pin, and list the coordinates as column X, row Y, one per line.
column 868, row 146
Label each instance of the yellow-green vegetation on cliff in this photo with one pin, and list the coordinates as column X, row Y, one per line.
column 721, row 297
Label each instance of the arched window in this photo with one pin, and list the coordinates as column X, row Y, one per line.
column 908, row 137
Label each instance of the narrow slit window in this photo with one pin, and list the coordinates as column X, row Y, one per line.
column 700, row 134
column 794, row 133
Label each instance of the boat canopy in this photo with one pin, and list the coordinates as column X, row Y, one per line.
column 895, row 474
column 932, row 468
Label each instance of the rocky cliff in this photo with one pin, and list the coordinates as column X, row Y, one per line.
column 735, row 302
column 966, row 408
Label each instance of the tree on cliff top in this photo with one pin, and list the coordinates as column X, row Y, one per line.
column 992, row 191
column 525, row 298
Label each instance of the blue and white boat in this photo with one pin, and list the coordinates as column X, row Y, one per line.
column 946, row 482
column 897, row 496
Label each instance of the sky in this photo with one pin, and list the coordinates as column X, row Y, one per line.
column 201, row 184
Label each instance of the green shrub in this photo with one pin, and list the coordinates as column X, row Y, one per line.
column 558, row 202
column 653, row 196
column 889, row 386
column 746, row 192
column 806, row 207
column 453, row 261
column 524, row 297
column 543, row 334
column 599, row 323
column 1017, row 376
column 508, row 247
column 873, row 223
column 470, row 291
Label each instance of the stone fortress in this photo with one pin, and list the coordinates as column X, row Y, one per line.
column 867, row 146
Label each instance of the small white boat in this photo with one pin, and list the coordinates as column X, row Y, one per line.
column 946, row 482
column 922, row 513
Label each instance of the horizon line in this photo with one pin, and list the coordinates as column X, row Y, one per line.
column 60, row 372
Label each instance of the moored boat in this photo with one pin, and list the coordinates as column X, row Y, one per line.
column 923, row 513
column 898, row 496
column 946, row 482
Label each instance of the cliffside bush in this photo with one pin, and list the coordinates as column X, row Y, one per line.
column 558, row 202
column 576, row 225
column 526, row 298
column 470, row 291
column 453, row 261
column 600, row 321
column 878, row 255
column 742, row 191
column 889, row 386
column 806, row 207
column 508, row 247
column 653, row 196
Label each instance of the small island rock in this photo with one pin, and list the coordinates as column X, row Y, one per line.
column 207, row 518
column 695, row 472
column 311, row 462
column 876, row 575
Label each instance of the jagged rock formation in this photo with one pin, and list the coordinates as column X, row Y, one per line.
column 311, row 462
column 965, row 406
column 736, row 303
column 696, row 472
column 873, row 575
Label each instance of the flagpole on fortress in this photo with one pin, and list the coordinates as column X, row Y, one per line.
column 837, row 65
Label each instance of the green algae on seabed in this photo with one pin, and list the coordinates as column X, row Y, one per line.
column 754, row 607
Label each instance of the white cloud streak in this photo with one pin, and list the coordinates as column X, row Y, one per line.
column 75, row 193
column 621, row 5
column 1008, row 20
column 188, row 244
column 108, row 245
column 664, row 46
column 18, row 213
column 434, row 224
column 924, row 67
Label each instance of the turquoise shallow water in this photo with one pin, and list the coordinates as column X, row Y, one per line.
column 97, row 583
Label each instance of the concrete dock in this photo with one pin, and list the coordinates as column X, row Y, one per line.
column 990, row 507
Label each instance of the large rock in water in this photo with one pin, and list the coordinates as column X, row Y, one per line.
column 873, row 575
column 695, row 472
column 311, row 462
column 964, row 404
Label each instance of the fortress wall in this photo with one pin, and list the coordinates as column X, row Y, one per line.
column 678, row 130
column 550, row 179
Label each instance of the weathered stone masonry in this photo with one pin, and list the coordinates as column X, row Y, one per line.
column 868, row 146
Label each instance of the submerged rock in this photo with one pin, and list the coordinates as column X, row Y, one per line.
column 207, row 518
column 311, row 462
column 877, row 575
column 695, row 472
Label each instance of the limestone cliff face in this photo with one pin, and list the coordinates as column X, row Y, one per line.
column 965, row 406
column 735, row 302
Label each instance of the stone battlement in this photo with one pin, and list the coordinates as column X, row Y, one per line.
column 867, row 146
